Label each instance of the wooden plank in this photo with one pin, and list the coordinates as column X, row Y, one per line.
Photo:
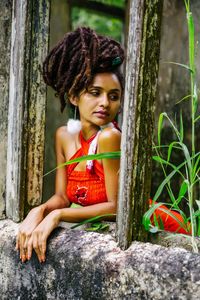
column 5, row 33
column 37, row 103
column 137, row 130
column 16, row 110
column 58, row 28
column 26, row 105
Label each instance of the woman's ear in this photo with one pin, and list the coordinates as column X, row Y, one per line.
column 74, row 100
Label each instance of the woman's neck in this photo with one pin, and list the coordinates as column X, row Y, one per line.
column 88, row 131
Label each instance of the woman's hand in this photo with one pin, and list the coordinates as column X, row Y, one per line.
column 39, row 236
column 32, row 220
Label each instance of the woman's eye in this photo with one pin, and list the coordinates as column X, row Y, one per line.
column 94, row 93
column 114, row 97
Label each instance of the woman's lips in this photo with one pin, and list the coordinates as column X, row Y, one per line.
column 101, row 114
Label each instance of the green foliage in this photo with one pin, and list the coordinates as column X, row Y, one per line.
column 104, row 25
column 187, row 171
column 110, row 155
column 118, row 3
column 96, row 225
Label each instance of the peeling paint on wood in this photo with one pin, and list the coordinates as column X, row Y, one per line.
column 37, row 105
column 27, row 98
column 15, row 111
column 5, row 32
column 141, row 82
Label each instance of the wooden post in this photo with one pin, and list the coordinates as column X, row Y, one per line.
column 5, row 36
column 37, row 103
column 137, row 130
column 54, row 118
column 27, row 96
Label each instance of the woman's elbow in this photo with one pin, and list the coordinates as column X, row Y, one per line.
column 113, row 207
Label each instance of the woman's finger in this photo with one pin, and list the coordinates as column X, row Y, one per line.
column 17, row 241
column 29, row 248
column 22, row 248
column 36, row 245
column 42, row 247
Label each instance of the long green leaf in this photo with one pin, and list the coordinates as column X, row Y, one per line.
column 181, row 127
column 191, row 39
column 182, row 224
column 162, row 185
column 182, row 99
column 182, row 191
column 195, row 168
column 147, row 216
column 171, row 146
column 163, row 161
column 197, row 118
column 91, row 220
column 187, row 5
column 106, row 155
column 160, row 122
column 195, row 99
column 173, row 126
column 168, row 178
column 178, row 64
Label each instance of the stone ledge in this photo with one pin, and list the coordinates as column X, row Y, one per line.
column 87, row 265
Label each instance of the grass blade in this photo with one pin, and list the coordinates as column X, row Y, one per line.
column 191, row 39
column 178, row 64
column 197, row 119
column 160, row 122
column 91, row 220
column 182, row 99
column 181, row 127
column 106, row 155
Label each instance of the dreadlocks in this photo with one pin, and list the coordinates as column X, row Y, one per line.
column 72, row 64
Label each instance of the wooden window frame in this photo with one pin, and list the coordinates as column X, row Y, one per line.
column 27, row 102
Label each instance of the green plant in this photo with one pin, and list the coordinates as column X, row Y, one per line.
column 112, row 155
column 188, row 170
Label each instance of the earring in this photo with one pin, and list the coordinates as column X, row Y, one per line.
column 120, row 110
column 73, row 125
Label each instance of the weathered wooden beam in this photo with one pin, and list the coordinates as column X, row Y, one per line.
column 100, row 8
column 137, row 131
column 16, row 110
column 58, row 27
column 5, row 36
column 27, row 95
column 37, row 101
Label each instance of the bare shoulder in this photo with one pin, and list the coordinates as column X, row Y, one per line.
column 109, row 139
column 63, row 134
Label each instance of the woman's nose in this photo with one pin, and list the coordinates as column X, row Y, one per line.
column 105, row 100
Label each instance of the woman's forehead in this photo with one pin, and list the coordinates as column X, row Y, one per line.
column 106, row 79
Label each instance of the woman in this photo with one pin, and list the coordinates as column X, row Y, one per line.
column 83, row 68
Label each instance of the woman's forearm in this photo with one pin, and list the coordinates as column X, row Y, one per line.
column 55, row 202
column 83, row 213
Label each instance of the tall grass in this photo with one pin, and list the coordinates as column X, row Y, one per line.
column 188, row 170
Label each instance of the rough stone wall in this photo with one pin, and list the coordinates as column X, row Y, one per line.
column 87, row 265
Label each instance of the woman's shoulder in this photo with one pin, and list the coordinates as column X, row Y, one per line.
column 62, row 132
column 109, row 139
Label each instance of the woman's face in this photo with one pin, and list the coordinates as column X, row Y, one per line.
column 99, row 104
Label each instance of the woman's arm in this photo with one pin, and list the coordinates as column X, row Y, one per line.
column 37, row 214
column 109, row 141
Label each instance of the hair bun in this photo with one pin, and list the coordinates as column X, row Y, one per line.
column 72, row 64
